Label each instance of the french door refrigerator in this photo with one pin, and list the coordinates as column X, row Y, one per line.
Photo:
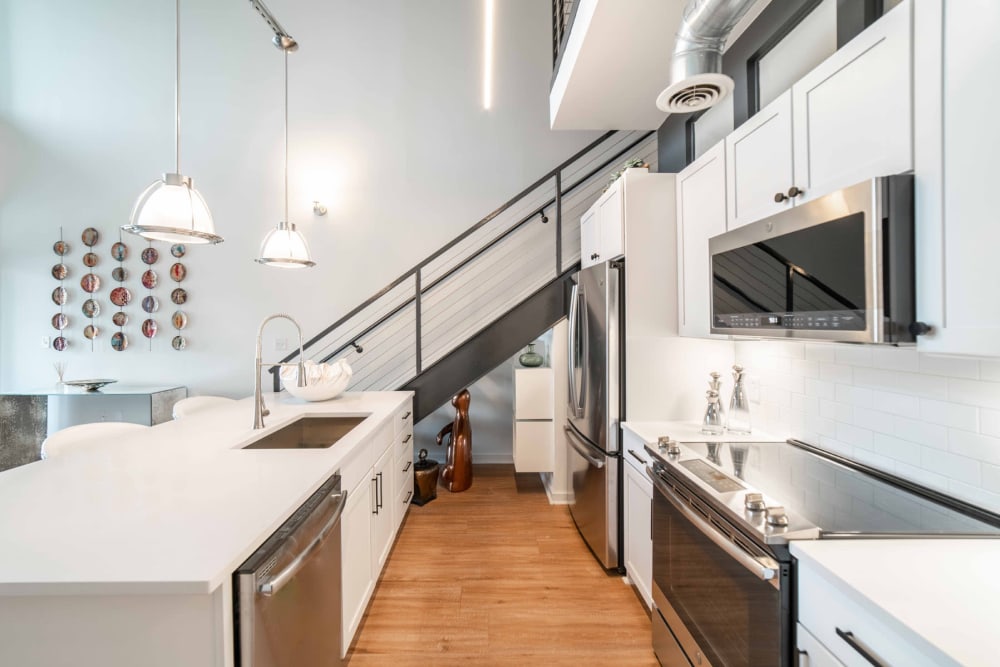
column 592, row 429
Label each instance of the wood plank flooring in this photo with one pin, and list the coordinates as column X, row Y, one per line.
column 497, row 576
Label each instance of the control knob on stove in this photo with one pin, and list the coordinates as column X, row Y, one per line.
column 754, row 502
column 671, row 447
column 776, row 516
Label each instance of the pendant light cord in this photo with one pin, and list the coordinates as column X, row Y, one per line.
column 286, row 135
column 177, row 85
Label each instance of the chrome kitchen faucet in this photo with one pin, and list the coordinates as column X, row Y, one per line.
column 259, row 410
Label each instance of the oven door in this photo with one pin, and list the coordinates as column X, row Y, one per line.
column 726, row 603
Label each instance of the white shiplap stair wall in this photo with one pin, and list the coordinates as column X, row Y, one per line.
column 932, row 419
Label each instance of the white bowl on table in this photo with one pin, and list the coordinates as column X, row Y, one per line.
column 323, row 381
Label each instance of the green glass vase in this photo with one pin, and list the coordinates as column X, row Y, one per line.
column 531, row 359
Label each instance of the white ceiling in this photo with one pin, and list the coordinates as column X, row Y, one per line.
column 616, row 62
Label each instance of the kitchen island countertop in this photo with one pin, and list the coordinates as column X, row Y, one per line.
column 172, row 510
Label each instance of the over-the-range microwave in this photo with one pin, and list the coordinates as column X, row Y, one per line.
column 837, row 268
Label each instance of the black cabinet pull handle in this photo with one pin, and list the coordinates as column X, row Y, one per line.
column 862, row 650
column 407, row 438
column 375, row 495
column 406, row 416
column 780, row 197
column 379, row 495
column 637, row 457
column 408, row 495
column 408, row 464
column 920, row 328
column 795, row 192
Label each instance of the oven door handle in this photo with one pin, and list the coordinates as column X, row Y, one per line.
column 582, row 448
column 765, row 569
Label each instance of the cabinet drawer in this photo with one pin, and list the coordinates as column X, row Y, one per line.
column 405, row 494
column 534, row 446
column 403, row 419
column 533, row 393
column 404, row 444
column 834, row 618
column 811, row 653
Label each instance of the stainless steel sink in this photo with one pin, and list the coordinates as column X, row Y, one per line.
column 308, row 433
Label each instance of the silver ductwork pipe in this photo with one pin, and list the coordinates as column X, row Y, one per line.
column 696, row 79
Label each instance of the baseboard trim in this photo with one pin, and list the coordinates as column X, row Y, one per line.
column 490, row 458
column 555, row 498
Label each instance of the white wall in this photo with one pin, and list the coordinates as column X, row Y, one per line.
column 934, row 420
column 386, row 128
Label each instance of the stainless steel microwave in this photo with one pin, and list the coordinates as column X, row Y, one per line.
column 837, row 268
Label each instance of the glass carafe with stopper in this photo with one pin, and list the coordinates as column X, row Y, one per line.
column 738, row 418
column 713, row 422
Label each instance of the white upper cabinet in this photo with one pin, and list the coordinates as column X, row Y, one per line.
column 759, row 164
column 852, row 115
column 956, row 132
column 701, row 214
column 612, row 221
column 590, row 238
column 847, row 120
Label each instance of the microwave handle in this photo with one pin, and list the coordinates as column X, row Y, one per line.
column 764, row 568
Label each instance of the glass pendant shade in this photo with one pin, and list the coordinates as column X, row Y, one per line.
column 284, row 247
column 172, row 210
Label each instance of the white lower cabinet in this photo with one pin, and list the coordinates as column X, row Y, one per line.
column 356, row 559
column 810, row 652
column 638, row 518
column 534, row 426
column 383, row 523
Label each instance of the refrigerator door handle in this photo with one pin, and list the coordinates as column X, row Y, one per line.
column 574, row 312
column 585, row 371
column 583, row 449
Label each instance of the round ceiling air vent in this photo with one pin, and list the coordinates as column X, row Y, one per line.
column 694, row 93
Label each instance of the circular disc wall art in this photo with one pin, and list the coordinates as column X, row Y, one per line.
column 90, row 332
column 179, row 320
column 119, row 341
column 119, row 274
column 90, row 260
column 121, row 296
column 60, row 296
column 120, row 318
column 60, row 321
column 149, row 279
column 150, row 255
column 179, row 296
column 119, row 251
column 90, row 283
column 150, row 304
column 91, row 308
column 177, row 272
column 149, row 328
column 90, row 237
column 60, row 248
column 60, row 271
column 179, row 342
column 178, row 250
column 60, row 344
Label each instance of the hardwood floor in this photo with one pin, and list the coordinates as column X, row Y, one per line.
column 497, row 576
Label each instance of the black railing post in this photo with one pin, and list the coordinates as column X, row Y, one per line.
column 558, row 222
column 417, row 304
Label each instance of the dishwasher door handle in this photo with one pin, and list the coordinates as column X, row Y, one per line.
column 278, row 581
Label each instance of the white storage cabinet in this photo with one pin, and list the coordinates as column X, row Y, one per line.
column 638, row 518
column 534, row 420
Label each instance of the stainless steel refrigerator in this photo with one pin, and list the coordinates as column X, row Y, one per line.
column 592, row 431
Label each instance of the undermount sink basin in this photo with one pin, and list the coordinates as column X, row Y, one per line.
column 308, row 433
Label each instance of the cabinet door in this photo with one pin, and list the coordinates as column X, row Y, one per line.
column 404, row 488
column 759, row 164
column 534, row 396
column 356, row 559
column 383, row 523
column 534, row 446
column 853, row 113
column 810, row 652
column 638, row 539
column 701, row 214
column 612, row 221
column 955, row 171
column 590, row 238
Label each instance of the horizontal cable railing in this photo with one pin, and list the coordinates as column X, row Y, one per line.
column 478, row 277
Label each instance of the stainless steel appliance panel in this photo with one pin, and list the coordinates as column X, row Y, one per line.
column 288, row 594
column 594, row 356
column 594, row 506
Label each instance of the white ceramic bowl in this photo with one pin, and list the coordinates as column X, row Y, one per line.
column 324, row 381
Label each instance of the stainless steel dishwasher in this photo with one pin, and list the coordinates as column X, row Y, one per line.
column 287, row 595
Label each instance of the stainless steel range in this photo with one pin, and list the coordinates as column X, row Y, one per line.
column 723, row 515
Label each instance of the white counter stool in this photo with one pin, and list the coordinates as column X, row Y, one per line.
column 188, row 406
column 85, row 435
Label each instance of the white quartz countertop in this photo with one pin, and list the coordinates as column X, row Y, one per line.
column 691, row 432
column 944, row 591
column 172, row 510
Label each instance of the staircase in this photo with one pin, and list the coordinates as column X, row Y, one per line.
column 474, row 303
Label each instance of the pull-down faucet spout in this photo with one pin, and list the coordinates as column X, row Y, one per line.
column 259, row 409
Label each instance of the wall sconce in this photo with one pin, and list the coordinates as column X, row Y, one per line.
column 318, row 208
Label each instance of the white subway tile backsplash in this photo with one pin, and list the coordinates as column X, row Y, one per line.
column 835, row 446
column 989, row 422
column 895, row 359
column 837, row 411
column 958, row 367
column 836, row 373
column 932, row 435
column 954, row 415
column 859, row 396
column 897, row 449
column 950, row 465
column 972, row 445
column 873, row 459
column 976, row 495
column 989, row 370
column 854, row 355
column 873, row 420
column 853, row 435
column 973, row 392
column 821, row 352
column 914, row 384
column 821, row 389
column 922, row 476
column 805, row 368
column 805, row 403
column 897, row 404
column 991, row 478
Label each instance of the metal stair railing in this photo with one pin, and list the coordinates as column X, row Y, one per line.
column 473, row 280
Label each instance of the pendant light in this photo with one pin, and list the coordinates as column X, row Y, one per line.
column 284, row 247
column 171, row 209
